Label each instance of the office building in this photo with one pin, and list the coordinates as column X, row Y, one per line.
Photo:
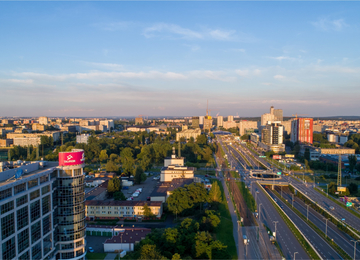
column 42, row 209
column 230, row 118
column 195, row 122
column 54, row 134
column 272, row 134
column 27, row 141
column 220, row 120
column 43, row 120
column 302, row 130
column 245, row 125
column 38, row 127
column 82, row 139
column 201, row 120
column 139, row 121
column 174, row 160
column 274, row 115
column 230, row 124
column 187, row 134
column 207, row 123
column 6, row 142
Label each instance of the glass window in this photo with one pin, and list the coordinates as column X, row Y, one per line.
column 36, row 252
column 7, row 226
column 47, row 244
column 46, row 204
column 44, row 178
column 79, row 243
column 20, row 188
column 67, row 255
column 22, row 216
column 25, row 256
column 32, row 183
column 21, row 201
column 8, row 249
column 23, row 240
column 7, row 207
column 35, row 210
column 46, row 224
column 45, row 189
column 35, row 232
column 77, row 172
column 5, row 194
column 35, row 194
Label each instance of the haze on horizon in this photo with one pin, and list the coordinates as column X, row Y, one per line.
column 96, row 59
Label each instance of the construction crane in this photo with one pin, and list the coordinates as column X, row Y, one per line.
column 296, row 115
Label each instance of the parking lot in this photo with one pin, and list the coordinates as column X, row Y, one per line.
column 147, row 186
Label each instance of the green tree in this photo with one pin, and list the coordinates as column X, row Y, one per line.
column 114, row 185
column 139, row 174
column 176, row 256
column 149, row 252
column 352, row 162
column 127, row 161
column 118, row 195
column 245, row 137
column 332, row 187
column 201, row 139
column 111, row 167
column 307, row 154
column 353, row 188
column 147, row 211
column 210, row 221
column 103, row 156
column 215, row 192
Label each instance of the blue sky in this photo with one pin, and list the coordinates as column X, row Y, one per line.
column 168, row 58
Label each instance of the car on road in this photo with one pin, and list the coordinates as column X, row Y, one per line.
column 135, row 194
column 156, row 178
column 90, row 249
column 331, row 207
column 343, row 219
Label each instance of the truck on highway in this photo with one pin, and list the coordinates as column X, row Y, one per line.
column 272, row 239
column 246, row 240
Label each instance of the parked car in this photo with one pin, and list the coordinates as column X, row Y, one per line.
column 139, row 189
column 130, row 198
column 136, row 194
column 156, row 178
column 343, row 219
column 91, row 250
column 332, row 208
column 148, row 198
column 125, row 188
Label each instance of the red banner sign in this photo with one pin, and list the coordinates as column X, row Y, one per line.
column 277, row 157
column 71, row 158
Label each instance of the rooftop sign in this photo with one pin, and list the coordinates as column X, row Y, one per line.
column 71, row 158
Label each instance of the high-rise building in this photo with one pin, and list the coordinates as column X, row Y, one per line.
column 272, row 134
column 230, row 118
column 42, row 209
column 245, row 124
column 201, row 120
column 274, row 115
column 302, row 130
column 220, row 121
column 195, row 122
column 139, row 121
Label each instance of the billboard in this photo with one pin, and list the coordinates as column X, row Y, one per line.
column 276, row 157
column 341, row 189
column 71, row 158
column 290, row 155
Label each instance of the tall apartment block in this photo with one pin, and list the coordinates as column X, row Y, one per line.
column 302, row 130
column 42, row 209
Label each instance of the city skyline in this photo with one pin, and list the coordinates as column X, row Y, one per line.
column 124, row 58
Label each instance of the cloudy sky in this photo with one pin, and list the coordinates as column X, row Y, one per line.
column 168, row 58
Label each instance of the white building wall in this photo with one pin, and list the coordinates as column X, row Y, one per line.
column 112, row 247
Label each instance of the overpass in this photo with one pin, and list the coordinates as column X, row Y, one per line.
column 273, row 183
column 265, row 174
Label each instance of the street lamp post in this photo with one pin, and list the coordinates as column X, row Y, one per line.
column 327, row 190
column 275, row 222
column 326, row 227
column 307, row 212
column 260, row 212
column 292, row 201
column 295, row 254
column 355, row 241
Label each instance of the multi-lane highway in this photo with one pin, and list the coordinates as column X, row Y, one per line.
column 286, row 239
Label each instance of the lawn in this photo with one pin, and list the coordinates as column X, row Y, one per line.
column 224, row 232
column 204, row 172
column 95, row 256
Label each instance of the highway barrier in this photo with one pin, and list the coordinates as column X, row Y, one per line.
column 303, row 236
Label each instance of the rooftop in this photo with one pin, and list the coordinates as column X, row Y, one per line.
column 129, row 236
column 122, row 203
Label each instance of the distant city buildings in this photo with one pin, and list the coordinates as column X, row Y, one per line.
column 195, row 123
column 82, row 138
column 43, row 120
column 230, row 118
column 139, row 121
column 274, row 115
column 247, row 125
column 187, row 134
column 219, row 121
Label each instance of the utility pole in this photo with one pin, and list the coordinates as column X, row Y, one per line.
column 292, row 201
column 260, row 212
column 327, row 190
column 339, row 172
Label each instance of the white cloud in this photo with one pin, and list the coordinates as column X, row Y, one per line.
column 172, row 29
column 279, row 77
column 326, row 24
column 281, row 58
column 222, row 35
column 247, row 72
column 337, row 69
column 110, row 66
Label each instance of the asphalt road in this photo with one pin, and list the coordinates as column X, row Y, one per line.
column 339, row 237
column 322, row 247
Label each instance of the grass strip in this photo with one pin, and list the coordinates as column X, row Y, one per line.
column 336, row 247
column 226, row 226
column 347, row 229
column 294, row 230
column 340, row 204
column 95, row 256
column 275, row 242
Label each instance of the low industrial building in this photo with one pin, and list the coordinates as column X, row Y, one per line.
column 187, row 134
column 128, row 209
column 162, row 192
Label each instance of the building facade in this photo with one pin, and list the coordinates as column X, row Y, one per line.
column 187, row 134
column 173, row 171
column 245, row 124
column 195, row 122
column 43, row 211
column 219, row 121
column 302, row 130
